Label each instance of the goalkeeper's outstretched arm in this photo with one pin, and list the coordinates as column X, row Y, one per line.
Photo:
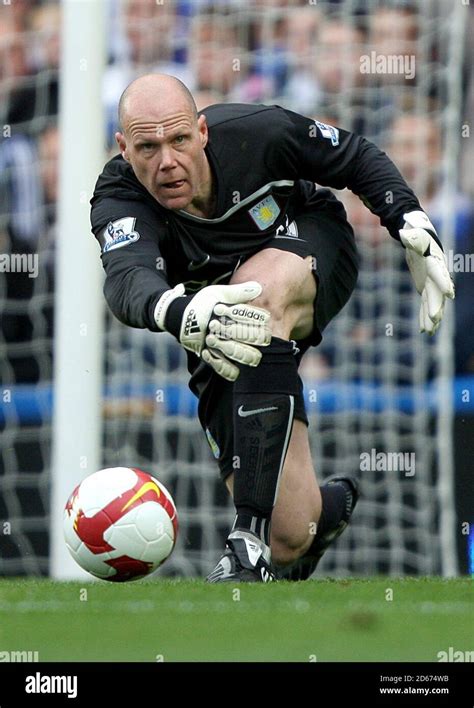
column 336, row 158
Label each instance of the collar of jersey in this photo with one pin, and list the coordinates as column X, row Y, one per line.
column 260, row 192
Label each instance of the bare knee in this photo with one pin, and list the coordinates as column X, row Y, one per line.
column 288, row 290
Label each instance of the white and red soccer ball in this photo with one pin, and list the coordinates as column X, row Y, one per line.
column 120, row 524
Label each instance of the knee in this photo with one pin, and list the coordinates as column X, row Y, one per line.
column 288, row 288
column 275, row 295
column 274, row 302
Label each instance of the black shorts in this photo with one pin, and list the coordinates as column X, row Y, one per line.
column 321, row 230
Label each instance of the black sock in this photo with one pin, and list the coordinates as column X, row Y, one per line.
column 334, row 498
column 263, row 409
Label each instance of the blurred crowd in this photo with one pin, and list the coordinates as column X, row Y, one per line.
column 301, row 54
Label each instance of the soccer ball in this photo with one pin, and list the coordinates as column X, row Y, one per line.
column 120, row 524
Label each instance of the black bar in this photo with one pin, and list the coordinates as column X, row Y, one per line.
column 136, row 684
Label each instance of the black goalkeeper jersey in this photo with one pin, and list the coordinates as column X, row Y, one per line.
column 263, row 159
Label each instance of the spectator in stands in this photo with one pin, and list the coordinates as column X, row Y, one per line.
column 303, row 91
column 29, row 189
column 393, row 36
column 394, row 30
column 337, row 71
column 467, row 152
column 33, row 61
column 45, row 26
column 20, row 210
column 151, row 40
column 206, row 98
column 34, row 98
column 216, row 61
column 150, row 30
column 13, row 61
column 48, row 149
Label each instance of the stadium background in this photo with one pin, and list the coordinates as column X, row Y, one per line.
column 374, row 382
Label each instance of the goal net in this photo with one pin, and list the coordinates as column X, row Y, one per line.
column 378, row 393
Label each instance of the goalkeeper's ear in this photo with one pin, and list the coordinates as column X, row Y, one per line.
column 203, row 130
column 122, row 143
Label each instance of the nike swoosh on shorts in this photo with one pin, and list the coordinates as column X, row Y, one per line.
column 244, row 414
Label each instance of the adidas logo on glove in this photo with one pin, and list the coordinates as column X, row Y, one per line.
column 191, row 325
column 249, row 313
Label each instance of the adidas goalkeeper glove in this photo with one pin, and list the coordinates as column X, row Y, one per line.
column 428, row 267
column 219, row 326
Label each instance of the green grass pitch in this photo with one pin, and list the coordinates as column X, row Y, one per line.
column 377, row 619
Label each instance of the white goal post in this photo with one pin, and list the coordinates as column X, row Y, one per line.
column 78, row 377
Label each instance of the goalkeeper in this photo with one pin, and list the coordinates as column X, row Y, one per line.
column 212, row 229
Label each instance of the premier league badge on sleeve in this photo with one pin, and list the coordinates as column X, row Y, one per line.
column 119, row 233
column 329, row 132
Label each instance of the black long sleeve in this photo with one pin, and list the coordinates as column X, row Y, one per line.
column 333, row 157
column 135, row 269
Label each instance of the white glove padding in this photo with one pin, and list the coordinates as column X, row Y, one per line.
column 220, row 364
column 218, row 325
column 428, row 267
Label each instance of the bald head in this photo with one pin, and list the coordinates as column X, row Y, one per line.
column 157, row 90
column 164, row 141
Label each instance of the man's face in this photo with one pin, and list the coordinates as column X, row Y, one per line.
column 149, row 27
column 393, row 31
column 415, row 147
column 338, row 52
column 167, row 156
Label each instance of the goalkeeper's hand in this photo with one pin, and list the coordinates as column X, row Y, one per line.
column 428, row 267
column 220, row 327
